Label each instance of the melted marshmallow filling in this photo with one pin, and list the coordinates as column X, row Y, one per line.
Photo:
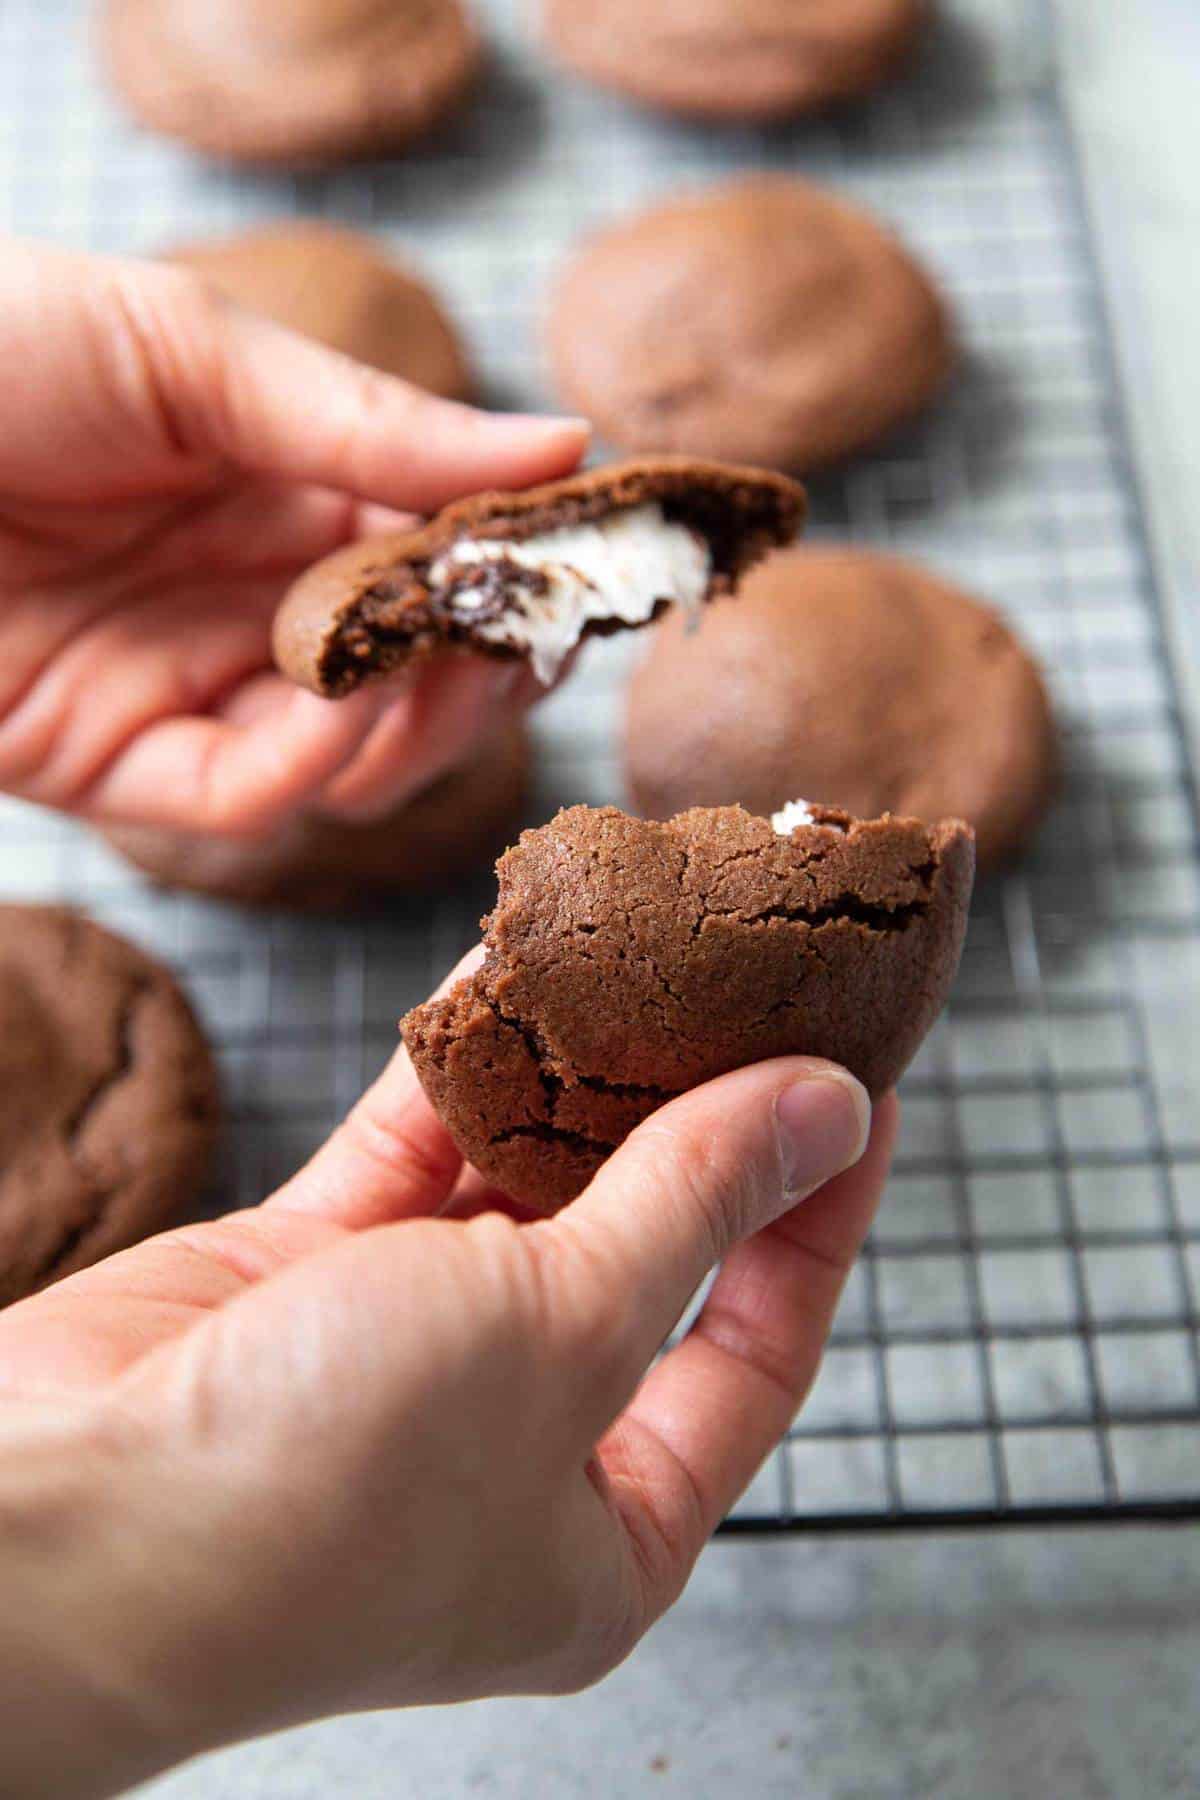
column 621, row 568
column 789, row 818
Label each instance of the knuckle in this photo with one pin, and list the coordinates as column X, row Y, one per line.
column 167, row 325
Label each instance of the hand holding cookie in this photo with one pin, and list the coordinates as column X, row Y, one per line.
column 339, row 1452
column 170, row 464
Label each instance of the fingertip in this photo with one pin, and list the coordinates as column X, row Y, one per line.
column 823, row 1119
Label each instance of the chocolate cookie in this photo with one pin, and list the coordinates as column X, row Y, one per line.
column 764, row 320
column 313, row 864
column 290, row 81
column 108, row 1096
column 627, row 962
column 338, row 287
column 735, row 59
column 530, row 574
column 856, row 679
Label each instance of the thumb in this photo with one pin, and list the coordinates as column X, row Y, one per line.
column 711, row 1168
column 232, row 383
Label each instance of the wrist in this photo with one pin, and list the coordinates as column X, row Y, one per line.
column 79, row 1712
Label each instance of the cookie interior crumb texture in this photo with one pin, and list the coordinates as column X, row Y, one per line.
column 629, row 961
column 530, row 574
column 108, row 1096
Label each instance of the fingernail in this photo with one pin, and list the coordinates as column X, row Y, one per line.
column 823, row 1121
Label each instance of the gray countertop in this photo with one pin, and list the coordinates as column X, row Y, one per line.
column 1063, row 1664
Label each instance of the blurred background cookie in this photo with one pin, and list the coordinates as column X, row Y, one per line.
column 108, row 1096
column 290, row 81
column 341, row 288
column 735, row 59
column 764, row 320
column 851, row 679
column 315, row 864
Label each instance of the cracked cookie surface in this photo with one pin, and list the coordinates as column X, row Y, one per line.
column 629, row 961
column 108, row 1096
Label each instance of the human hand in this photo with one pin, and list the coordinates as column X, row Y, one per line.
column 168, row 464
column 337, row 1452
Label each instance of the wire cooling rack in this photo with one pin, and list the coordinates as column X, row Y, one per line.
column 1020, row 1341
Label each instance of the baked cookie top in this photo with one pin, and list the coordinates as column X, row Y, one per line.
column 290, row 81
column 735, row 59
column 858, row 679
column 108, row 1096
column 628, row 961
column 340, row 288
column 765, row 320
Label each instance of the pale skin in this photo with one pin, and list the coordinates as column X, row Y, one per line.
column 375, row 1441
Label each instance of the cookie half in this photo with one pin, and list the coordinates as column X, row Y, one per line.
column 765, row 320
column 531, row 574
column 858, row 679
column 315, row 864
column 628, row 962
column 108, row 1097
column 290, row 81
column 339, row 287
column 735, row 59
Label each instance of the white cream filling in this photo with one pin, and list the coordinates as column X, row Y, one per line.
column 620, row 568
column 790, row 817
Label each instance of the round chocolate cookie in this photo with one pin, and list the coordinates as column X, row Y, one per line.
column 314, row 864
column 338, row 287
column 531, row 574
column 765, row 320
column 735, row 59
column 627, row 962
column 290, row 81
column 854, row 679
column 108, row 1096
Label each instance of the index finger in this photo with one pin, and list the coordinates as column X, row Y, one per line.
column 391, row 1158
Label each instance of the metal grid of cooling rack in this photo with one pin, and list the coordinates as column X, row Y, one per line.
column 1020, row 1342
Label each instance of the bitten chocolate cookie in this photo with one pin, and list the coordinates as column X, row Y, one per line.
column 859, row 680
column 765, row 320
column 324, row 865
column 627, row 962
column 108, row 1096
column 530, row 574
column 290, row 81
column 735, row 59
column 339, row 287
